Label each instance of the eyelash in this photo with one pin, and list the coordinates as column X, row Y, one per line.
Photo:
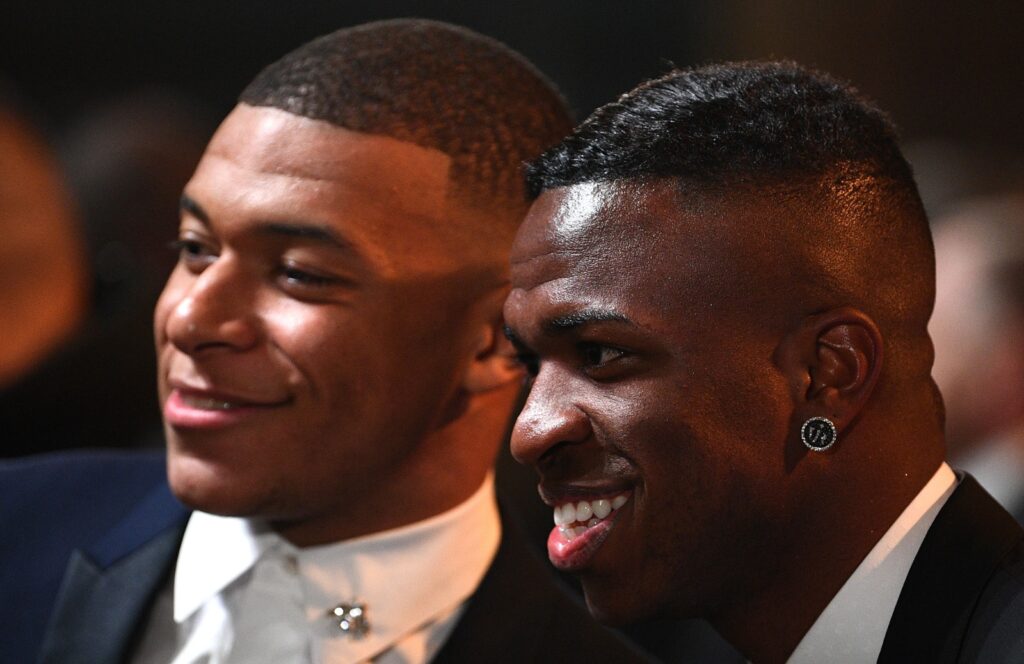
column 589, row 362
column 306, row 279
column 587, row 353
column 194, row 254
column 190, row 250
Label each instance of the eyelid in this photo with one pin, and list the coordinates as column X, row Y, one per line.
column 307, row 273
column 203, row 251
column 602, row 368
column 306, row 282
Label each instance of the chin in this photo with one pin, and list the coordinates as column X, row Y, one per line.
column 202, row 487
column 617, row 604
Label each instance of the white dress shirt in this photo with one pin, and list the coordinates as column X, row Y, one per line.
column 852, row 627
column 242, row 593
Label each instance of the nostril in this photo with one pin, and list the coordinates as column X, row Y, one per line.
column 550, row 456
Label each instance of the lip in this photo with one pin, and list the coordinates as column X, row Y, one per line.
column 182, row 411
column 577, row 553
column 574, row 555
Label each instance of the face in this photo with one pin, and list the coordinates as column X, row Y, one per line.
column 656, row 410
column 312, row 336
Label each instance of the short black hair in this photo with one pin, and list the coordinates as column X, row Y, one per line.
column 432, row 84
column 727, row 124
column 819, row 160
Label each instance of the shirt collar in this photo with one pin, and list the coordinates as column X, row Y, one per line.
column 852, row 627
column 406, row 576
column 215, row 551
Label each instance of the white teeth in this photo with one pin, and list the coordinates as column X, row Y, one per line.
column 204, row 403
column 587, row 513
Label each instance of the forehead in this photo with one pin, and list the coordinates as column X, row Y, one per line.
column 273, row 142
column 631, row 245
column 270, row 165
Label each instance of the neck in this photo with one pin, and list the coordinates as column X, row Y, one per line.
column 828, row 539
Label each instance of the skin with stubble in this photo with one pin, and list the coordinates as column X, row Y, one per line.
column 329, row 343
column 677, row 338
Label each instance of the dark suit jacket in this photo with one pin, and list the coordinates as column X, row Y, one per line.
column 963, row 600
column 89, row 539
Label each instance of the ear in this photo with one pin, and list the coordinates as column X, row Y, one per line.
column 493, row 364
column 843, row 366
column 835, row 363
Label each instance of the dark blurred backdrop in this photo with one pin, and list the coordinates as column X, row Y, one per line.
column 126, row 92
column 943, row 68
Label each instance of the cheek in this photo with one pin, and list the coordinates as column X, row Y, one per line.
column 321, row 347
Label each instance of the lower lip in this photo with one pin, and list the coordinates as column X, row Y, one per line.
column 575, row 554
column 182, row 415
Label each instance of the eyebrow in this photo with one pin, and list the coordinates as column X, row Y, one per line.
column 187, row 204
column 582, row 318
column 572, row 321
column 307, row 231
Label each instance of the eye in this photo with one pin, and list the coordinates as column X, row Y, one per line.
column 304, row 283
column 528, row 361
column 193, row 253
column 595, row 356
column 296, row 277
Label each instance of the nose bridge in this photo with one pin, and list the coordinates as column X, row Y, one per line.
column 217, row 307
column 550, row 416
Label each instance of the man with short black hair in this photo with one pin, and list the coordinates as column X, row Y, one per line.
column 722, row 295
column 334, row 388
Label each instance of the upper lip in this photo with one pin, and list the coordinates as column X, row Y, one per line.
column 204, row 391
column 554, row 494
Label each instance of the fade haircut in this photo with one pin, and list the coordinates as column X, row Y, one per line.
column 725, row 125
column 432, row 84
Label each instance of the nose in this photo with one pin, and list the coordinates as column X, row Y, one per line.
column 211, row 310
column 550, row 418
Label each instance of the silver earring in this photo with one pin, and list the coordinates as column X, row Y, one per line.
column 818, row 434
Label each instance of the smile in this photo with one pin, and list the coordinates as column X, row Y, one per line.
column 573, row 519
column 581, row 527
column 190, row 409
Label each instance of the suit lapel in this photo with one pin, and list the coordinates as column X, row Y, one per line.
column 962, row 549
column 107, row 588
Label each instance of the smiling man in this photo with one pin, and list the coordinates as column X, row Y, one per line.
column 334, row 387
column 722, row 294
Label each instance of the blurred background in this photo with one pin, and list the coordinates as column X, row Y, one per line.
column 105, row 108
